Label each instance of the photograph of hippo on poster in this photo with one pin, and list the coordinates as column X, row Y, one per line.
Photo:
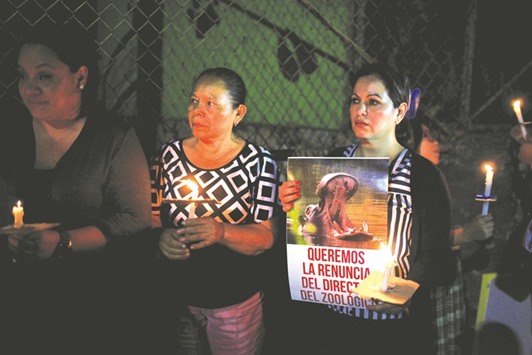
column 343, row 202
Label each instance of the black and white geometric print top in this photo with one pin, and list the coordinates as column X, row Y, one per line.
column 399, row 224
column 245, row 190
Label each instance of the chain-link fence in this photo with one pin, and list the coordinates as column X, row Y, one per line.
column 294, row 55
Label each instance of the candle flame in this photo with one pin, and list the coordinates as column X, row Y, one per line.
column 386, row 255
column 488, row 167
column 19, row 203
column 516, row 104
column 193, row 186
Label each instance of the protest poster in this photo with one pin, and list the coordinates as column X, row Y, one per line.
column 338, row 229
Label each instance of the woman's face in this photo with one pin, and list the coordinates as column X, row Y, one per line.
column 210, row 111
column 46, row 85
column 429, row 146
column 372, row 113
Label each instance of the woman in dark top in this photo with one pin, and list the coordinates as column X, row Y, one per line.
column 70, row 164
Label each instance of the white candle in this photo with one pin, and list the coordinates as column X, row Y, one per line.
column 194, row 196
column 18, row 213
column 388, row 269
column 517, row 110
column 192, row 213
column 487, row 189
column 386, row 278
column 489, row 180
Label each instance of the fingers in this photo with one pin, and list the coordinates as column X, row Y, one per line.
column 384, row 307
column 180, row 252
column 488, row 229
column 172, row 246
column 289, row 192
column 481, row 227
column 487, row 225
column 202, row 232
column 22, row 251
column 486, row 218
column 195, row 233
column 12, row 241
column 13, row 244
column 483, row 219
column 22, row 243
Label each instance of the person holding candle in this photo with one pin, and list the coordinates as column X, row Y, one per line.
column 514, row 270
column 74, row 164
column 451, row 312
column 418, row 197
column 217, row 254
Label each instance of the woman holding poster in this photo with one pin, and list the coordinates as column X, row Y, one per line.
column 418, row 228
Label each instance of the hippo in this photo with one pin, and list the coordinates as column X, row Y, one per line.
column 328, row 218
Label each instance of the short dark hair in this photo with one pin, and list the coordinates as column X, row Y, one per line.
column 73, row 46
column 232, row 82
column 396, row 82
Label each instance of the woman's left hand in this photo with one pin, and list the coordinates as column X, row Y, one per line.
column 201, row 232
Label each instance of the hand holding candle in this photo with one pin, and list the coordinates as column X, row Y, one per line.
column 517, row 109
column 18, row 213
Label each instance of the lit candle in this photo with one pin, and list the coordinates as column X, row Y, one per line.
column 18, row 213
column 388, row 269
column 192, row 213
column 517, row 110
column 194, row 188
column 487, row 190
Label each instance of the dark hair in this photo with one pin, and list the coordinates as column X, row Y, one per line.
column 74, row 47
column 417, row 131
column 396, row 82
column 231, row 80
column 398, row 86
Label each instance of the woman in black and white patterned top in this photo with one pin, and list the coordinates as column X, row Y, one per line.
column 215, row 244
column 418, row 227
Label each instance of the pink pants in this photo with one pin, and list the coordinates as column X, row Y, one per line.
column 232, row 330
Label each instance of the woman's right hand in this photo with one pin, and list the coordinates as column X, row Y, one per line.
column 171, row 246
column 33, row 246
column 289, row 192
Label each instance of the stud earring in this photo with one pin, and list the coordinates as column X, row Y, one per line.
column 81, row 86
